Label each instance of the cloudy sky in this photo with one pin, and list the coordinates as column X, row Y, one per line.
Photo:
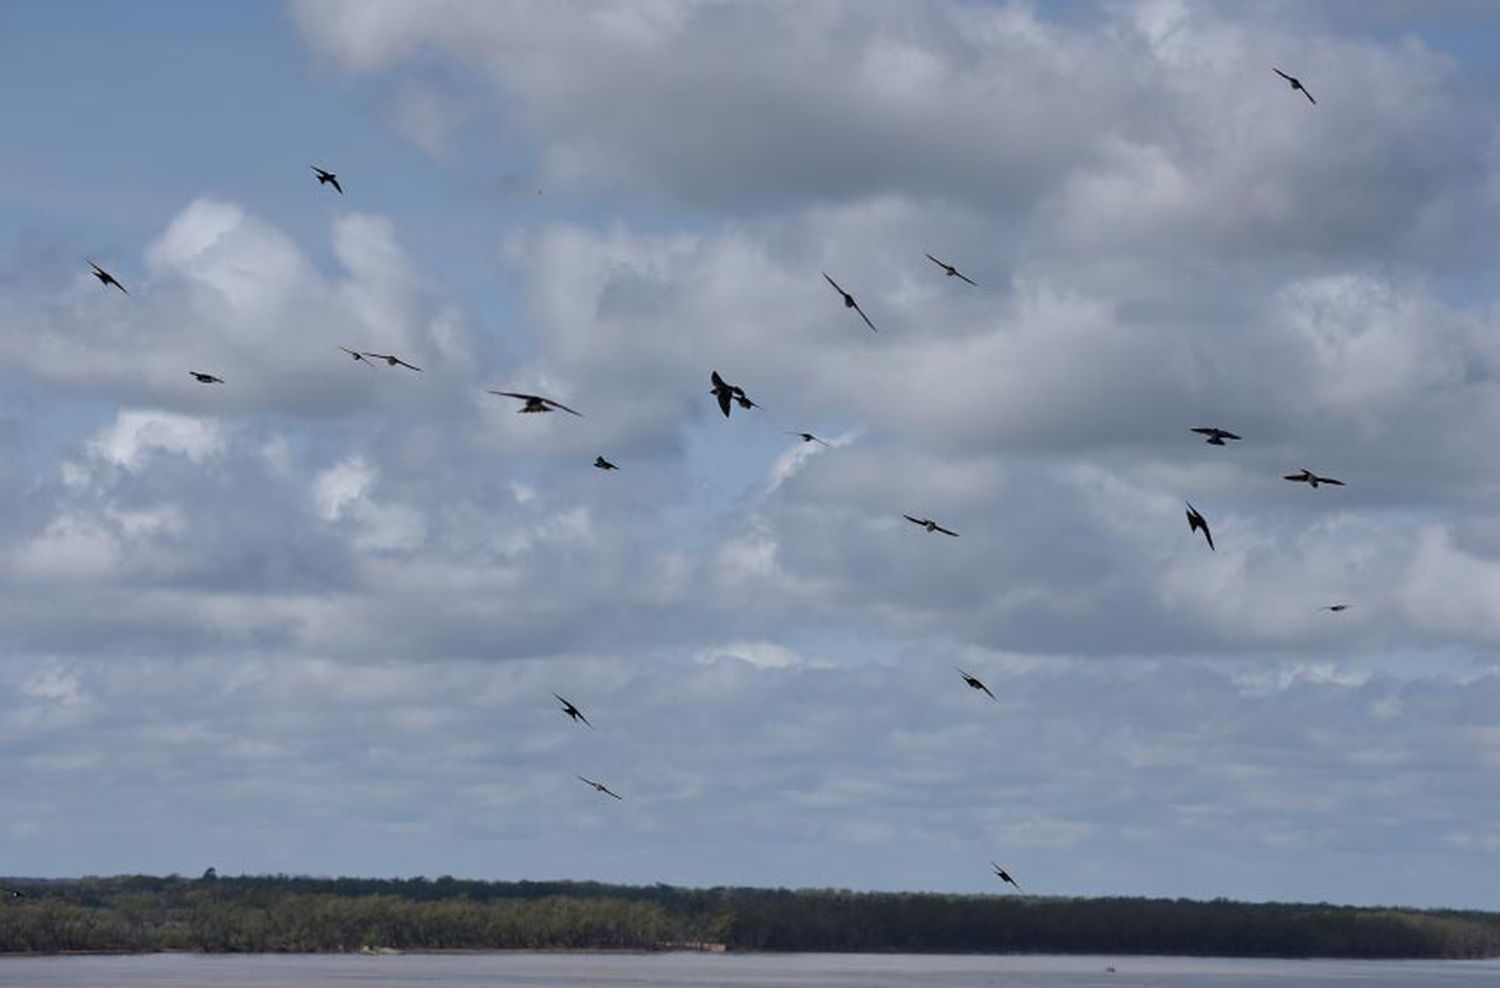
column 311, row 620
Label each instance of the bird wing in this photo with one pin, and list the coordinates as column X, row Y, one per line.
column 987, row 692
column 966, row 278
column 1308, row 95
column 321, row 172
column 583, row 718
column 405, row 364
column 937, row 262
column 610, row 792
column 914, row 521
column 1281, row 73
column 333, row 181
column 1227, row 435
column 1330, row 480
column 1296, row 476
column 560, row 405
column 945, row 531
column 1207, row 534
column 718, row 382
column 381, row 356
column 589, row 781
column 834, row 284
column 865, row 318
column 517, row 394
column 725, row 396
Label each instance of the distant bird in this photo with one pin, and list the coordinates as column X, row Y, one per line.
column 203, row 378
column 727, row 393
column 1311, row 479
column 328, row 178
column 602, row 788
column 357, row 356
column 572, row 711
column 13, row 893
column 1001, row 874
column 1197, row 521
column 604, row 464
column 975, row 684
column 390, row 359
column 808, row 437
column 930, row 525
column 1335, row 608
column 849, row 303
column 951, row 271
column 1296, row 84
column 1215, row 436
column 536, row 403
column 105, row 278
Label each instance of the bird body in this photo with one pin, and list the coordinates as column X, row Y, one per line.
column 849, row 303
column 572, row 711
column 951, row 271
column 1197, row 522
column 1215, row 436
column 1335, row 608
column 975, row 684
column 604, row 464
column 390, row 359
column 105, row 278
column 1311, row 479
column 203, row 378
column 808, row 437
column 726, row 393
column 531, row 404
column 328, row 178
column 1001, row 874
column 930, row 525
column 601, row 787
column 1296, row 85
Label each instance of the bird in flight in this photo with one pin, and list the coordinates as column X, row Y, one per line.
column 727, row 393
column 1296, row 84
column 572, row 711
column 13, row 893
column 604, row 464
column 849, row 302
column 1001, row 874
column 808, row 437
column 105, row 278
column 602, row 788
column 975, row 684
column 1311, row 479
column 328, row 178
column 357, row 356
column 203, row 378
column 1335, row 608
column 930, row 525
column 536, row 403
column 1196, row 522
column 391, row 360
column 1215, row 436
column 951, row 271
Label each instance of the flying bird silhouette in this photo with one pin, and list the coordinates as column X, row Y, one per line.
column 1196, row 522
column 975, row 684
column 328, row 178
column 572, row 711
column 203, row 378
column 105, row 278
column 849, row 303
column 1335, row 608
column 1000, row 873
column 390, row 359
column 1311, row 479
column 536, row 403
column 12, row 893
column 1215, row 436
column 1296, row 84
column 604, row 464
column 602, row 788
column 930, row 525
column 951, row 271
column 808, row 437
column 726, row 393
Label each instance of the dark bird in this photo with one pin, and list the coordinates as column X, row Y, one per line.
column 849, row 303
column 975, row 684
column 391, row 360
column 328, row 178
column 1196, row 522
column 727, row 393
column 808, row 437
column 1295, row 84
column 105, row 278
column 536, row 403
column 203, row 378
column 357, row 356
column 1335, row 608
column 13, row 893
column 951, row 271
column 572, row 711
column 930, row 525
column 1311, row 479
column 1001, row 874
column 602, row 788
column 604, row 464
column 1215, row 436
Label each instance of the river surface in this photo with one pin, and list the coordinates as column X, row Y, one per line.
column 520, row 970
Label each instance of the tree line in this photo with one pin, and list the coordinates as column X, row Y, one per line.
column 283, row 913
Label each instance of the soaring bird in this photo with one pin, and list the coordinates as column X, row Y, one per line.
column 391, row 360
column 1215, row 436
column 203, row 378
column 359, row 357
column 604, row 464
column 849, row 303
column 602, row 788
column 1001, row 874
column 572, row 711
column 951, row 271
column 1296, row 84
column 1196, row 522
column 105, row 278
column 727, row 393
column 930, row 525
column 1335, row 608
column 328, row 178
column 975, row 684
column 536, row 403
column 1311, row 479
column 808, row 437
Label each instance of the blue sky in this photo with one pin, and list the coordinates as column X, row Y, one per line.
column 311, row 620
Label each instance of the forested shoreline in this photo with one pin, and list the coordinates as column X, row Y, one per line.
column 280, row 913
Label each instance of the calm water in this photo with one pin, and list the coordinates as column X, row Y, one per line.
column 724, row 971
